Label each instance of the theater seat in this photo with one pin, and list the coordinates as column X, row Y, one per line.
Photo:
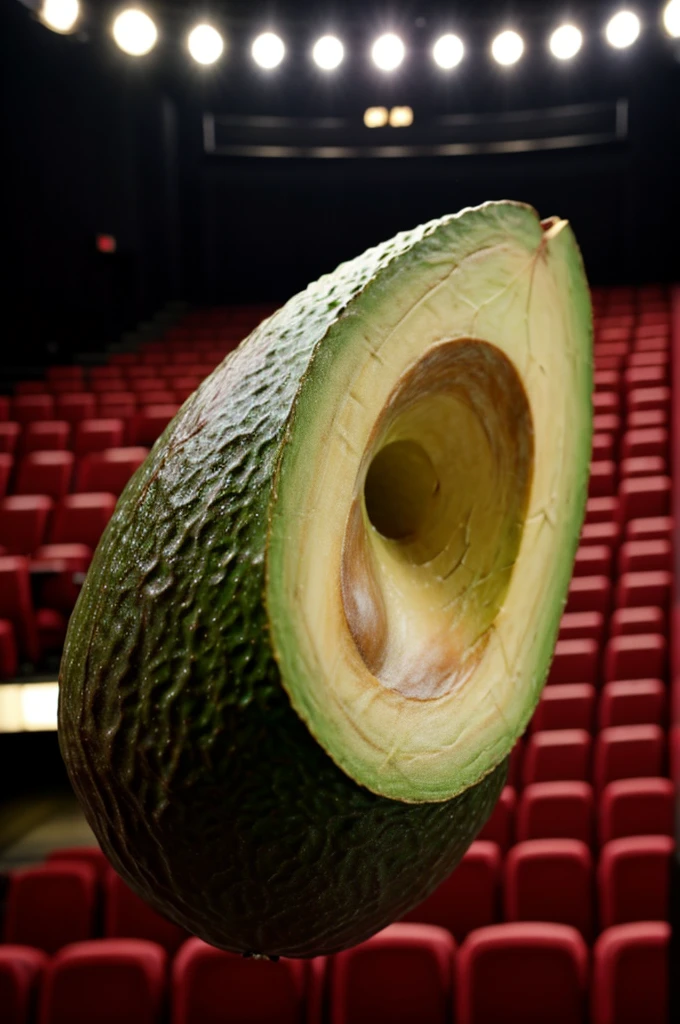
column 21, row 972
column 126, row 916
column 51, row 905
column 632, row 702
column 9, row 436
column 635, row 656
column 628, row 751
column 500, row 827
column 91, row 855
column 567, row 706
column 28, row 408
column 644, row 496
column 210, row 986
column 6, row 466
column 402, row 974
column 75, row 406
column 23, row 522
column 150, row 422
column 16, row 606
column 644, row 588
column 582, row 626
column 633, row 879
column 645, row 556
column 550, row 880
column 556, row 810
column 557, row 754
column 630, row 974
column 650, row 528
column 45, row 473
column 9, row 658
column 468, row 898
column 81, row 518
column 630, row 621
column 98, row 434
column 574, row 661
column 45, row 435
column 107, row 981
column 109, row 470
column 522, row 973
column 635, row 807
column 589, row 594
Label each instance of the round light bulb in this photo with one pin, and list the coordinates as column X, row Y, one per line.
column 671, row 19
column 134, row 32
column 205, row 43
column 565, row 42
column 388, row 52
column 448, row 51
column 60, row 15
column 507, row 48
column 268, row 50
column 623, row 30
column 328, row 53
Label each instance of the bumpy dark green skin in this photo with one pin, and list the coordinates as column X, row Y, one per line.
column 205, row 790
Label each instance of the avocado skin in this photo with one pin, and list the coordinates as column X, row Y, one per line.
column 204, row 788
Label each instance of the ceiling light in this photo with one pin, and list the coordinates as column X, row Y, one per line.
column 388, row 52
column 448, row 51
column 565, row 42
column 135, row 32
column 205, row 44
column 60, row 15
column 268, row 50
column 671, row 19
column 328, row 53
column 507, row 48
column 622, row 30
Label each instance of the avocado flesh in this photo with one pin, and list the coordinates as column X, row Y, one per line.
column 223, row 778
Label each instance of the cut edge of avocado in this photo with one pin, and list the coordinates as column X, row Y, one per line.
column 428, row 500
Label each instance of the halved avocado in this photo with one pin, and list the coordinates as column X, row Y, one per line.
column 325, row 606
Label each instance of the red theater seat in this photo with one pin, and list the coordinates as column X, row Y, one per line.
column 109, row 470
column 105, row 981
column 468, row 898
column 500, row 827
column 46, row 435
column 16, row 605
column 632, row 702
column 556, row 810
column 645, row 465
column 6, row 466
column 81, row 518
column 528, row 972
column 635, row 656
column 51, row 905
column 602, row 479
column 400, row 975
column 653, row 441
column 593, row 560
column 633, row 879
column 21, row 972
column 9, row 657
column 91, row 855
column 566, row 706
column 117, row 404
column 644, row 496
column 602, row 510
column 557, row 754
column 645, row 556
column 45, row 473
column 97, row 435
column 574, row 661
column 644, row 588
column 550, row 880
column 651, row 528
column 607, row 533
column 633, row 621
column 626, row 752
column 27, row 408
column 630, row 974
column 589, row 594
column 636, row 807
column 641, row 399
column 9, row 436
column 582, row 626
column 210, row 986
column 75, row 406
column 150, row 422
column 644, row 376
column 126, row 916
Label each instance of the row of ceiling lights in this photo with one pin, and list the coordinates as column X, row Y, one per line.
column 136, row 34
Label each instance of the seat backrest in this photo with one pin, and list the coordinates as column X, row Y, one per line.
column 533, row 972
column 46, row 472
column 556, row 810
column 23, row 522
column 628, row 751
column 107, row 981
column 630, row 974
column 91, row 855
column 557, row 754
column 81, row 518
column 98, row 434
column 633, row 879
column 402, row 974
column 565, row 706
column 51, row 905
column 109, row 470
column 210, row 986
column 126, row 915
column 550, row 880
column 632, row 702
column 469, row 897
column 75, row 406
column 500, row 827
column 16, row 604
column 6, row 465
column 27, row 408
column 46, row 435
column 21, row 971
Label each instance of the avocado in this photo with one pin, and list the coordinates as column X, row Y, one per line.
column 325, row 606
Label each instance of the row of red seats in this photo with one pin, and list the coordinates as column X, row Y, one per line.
column 88, row 435
column 529, row 972
column 55, row 473
column 549, row 879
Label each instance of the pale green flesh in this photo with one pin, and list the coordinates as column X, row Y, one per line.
column 414, row 631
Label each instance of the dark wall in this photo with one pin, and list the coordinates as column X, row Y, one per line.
column 96, row 141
